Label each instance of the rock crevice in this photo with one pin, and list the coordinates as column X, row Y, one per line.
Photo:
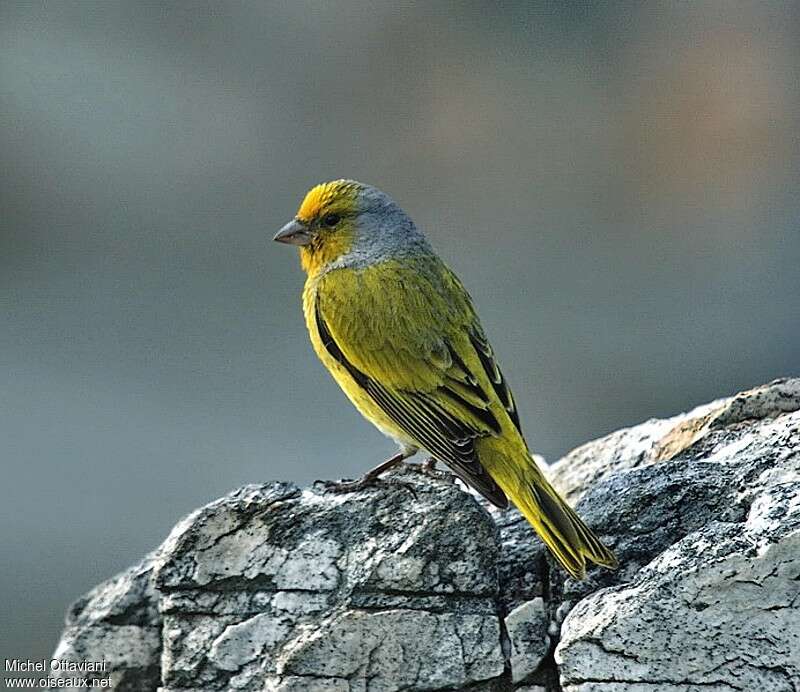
column 279, row 588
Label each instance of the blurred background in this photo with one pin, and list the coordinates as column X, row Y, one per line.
column 616, row 184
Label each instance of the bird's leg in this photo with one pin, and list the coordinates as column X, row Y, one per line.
column 373, row 475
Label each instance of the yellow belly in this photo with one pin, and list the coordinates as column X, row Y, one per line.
column 360, row 399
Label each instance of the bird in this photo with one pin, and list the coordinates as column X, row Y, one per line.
column 400, row 335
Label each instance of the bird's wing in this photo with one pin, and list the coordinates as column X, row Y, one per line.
column 410, row 338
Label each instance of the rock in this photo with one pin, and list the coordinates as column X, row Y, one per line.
column 710, row 547
column 527, row 626
column 117, row 622
column 415, row 584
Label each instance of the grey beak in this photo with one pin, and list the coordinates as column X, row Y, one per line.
column 294, row 233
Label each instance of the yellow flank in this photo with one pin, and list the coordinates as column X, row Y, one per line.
column 402, row 339
column 347, row 283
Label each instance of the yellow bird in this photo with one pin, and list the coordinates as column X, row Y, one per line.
column 399, row 333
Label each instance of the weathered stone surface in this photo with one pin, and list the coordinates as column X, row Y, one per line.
column 710, row 546
column 527, row 626
column 416, row 585
column 117, row 622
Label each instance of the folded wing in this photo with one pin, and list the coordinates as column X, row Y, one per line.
column 423, row 359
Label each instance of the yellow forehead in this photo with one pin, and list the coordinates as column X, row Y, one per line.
column 340, row 194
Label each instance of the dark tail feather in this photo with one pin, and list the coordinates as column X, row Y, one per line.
column 570, row 541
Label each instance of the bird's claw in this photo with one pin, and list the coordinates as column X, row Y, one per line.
column 343, row 486
column 366, row 481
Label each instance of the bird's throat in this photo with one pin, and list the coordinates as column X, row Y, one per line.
column 324, row 250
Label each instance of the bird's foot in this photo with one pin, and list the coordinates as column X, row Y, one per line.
column 428, row 468
column 367, row 481
column 348, row 486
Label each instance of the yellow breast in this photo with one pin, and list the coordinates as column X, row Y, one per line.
column 360, row 399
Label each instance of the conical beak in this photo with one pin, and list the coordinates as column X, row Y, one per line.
column 294, row 233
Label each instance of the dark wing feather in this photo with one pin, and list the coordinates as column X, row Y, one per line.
column 486, row 355
column 423, row 418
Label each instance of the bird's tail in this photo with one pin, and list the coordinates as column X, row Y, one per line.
column 570, row 541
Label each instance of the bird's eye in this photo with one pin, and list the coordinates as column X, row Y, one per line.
column 330, row 220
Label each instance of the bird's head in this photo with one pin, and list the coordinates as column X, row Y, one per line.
column 349, row 223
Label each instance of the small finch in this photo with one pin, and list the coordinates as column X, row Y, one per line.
column 399, row 334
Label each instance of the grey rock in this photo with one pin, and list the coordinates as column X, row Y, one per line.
column 117, row 622
column 415, row 584
column 708, row 535
column 527, row 626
